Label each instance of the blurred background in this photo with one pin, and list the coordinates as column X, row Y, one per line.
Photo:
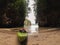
column 40, row 18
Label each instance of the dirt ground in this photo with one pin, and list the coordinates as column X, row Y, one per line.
column 43, row 37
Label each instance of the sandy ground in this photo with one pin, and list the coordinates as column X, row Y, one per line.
column 43, row 37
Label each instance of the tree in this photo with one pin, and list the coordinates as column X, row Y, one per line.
column 48, row 12
column 12, row 13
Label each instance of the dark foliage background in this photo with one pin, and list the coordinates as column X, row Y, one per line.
column 48, row 13
column 12, row 13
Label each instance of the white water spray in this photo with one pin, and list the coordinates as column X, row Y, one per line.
column 31, row 15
